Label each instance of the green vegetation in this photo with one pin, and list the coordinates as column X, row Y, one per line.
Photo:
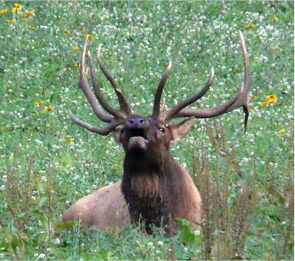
column 47, row 162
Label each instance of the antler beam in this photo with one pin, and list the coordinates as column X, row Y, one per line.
column 171, row 113
column 98, row 92
column 83, row 83
column 89, row 127
column 95, row 100
column 240, row 100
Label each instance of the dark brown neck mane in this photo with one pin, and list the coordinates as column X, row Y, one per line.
column 153, row 189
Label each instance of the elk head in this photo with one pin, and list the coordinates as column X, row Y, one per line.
column 146, row 139
column 160, row 115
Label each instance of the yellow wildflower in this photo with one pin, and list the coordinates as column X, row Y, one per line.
column 250, row 26
column 47, row 125
column 31, row 27
column 264, row 103
column 17, row 5
column 67, row 31
column 272, row 98
column 10, row 21
column 15, row 10
column 89, row 36
column 39, row 103
column 282, row 131
column 275, row 19
column 276, row 123
column 49, row 108
column 76, row 48
column 4, row 11
column 69, row 140
column 67, row 69
column 30, row 12
column 251, row 110
column 76, row 65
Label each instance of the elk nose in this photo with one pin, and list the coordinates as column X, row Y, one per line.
column 136, row 123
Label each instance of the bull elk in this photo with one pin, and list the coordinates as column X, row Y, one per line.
column 155, row 188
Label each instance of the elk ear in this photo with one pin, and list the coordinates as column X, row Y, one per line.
column 117, row 135
column 179, row 130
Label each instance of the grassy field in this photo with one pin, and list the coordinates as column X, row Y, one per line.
column 47, row 162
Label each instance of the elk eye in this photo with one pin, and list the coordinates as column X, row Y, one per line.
column 162, row 130
column 122, row 131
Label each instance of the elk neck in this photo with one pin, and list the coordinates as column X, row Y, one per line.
column 156, row 178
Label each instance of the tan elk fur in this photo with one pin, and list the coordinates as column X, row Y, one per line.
column 106, row 208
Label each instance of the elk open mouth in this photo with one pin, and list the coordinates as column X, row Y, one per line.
column 138, row 140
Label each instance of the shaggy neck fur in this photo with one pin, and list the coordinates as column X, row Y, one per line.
column 153, row 190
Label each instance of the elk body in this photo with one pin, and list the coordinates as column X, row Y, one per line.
column 155, row 188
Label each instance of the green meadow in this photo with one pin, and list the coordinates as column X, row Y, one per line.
column 47, row 162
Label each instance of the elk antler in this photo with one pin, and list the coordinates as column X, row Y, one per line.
column 173, row 111
column 157, row 100
column 95, row 100
column 123, row 103
column 240, row 100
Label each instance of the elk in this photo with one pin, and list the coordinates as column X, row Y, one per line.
column 155, row 188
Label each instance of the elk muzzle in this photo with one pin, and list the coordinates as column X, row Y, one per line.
column 137, row 130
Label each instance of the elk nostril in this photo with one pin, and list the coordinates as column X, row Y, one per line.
column 131, row 121
column 141, row 121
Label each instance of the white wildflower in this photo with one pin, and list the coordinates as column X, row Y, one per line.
column 160, row 243
column 56, row 241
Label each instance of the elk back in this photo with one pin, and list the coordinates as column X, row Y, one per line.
column 105, row 208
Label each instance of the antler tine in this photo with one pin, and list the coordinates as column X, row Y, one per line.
column 89, row 127
column 98, row 92
column 83, row 83
column 241, row 99
column 123, row 103
column 157, row 99
column 173, row 111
